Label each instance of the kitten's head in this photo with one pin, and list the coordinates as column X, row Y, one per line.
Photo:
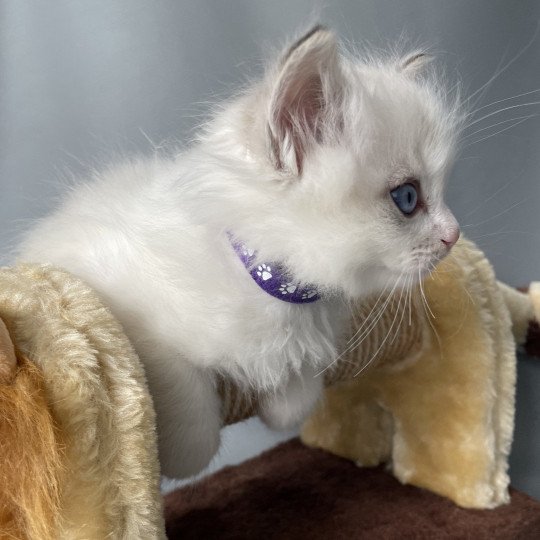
column 347, row 159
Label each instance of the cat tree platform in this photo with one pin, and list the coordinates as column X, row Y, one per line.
column 295, row 492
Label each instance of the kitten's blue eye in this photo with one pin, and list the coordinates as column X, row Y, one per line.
column 406, row 198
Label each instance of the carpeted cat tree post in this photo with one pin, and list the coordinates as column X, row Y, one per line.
column 433, row 396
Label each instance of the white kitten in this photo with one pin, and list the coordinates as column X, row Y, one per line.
column 332, row 167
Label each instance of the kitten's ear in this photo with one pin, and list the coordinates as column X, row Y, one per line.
column 304, row 98
column 415, row 63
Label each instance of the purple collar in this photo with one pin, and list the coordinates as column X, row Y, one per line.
column 273, row 278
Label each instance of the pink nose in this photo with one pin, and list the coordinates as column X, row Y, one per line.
column 450, row 238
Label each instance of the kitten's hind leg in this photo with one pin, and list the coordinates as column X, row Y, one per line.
column 188, row 412
column 288, row 407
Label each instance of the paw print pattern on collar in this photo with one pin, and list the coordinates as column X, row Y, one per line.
column 273, row 278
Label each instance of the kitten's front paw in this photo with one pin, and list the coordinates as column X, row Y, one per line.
column 188, row 416
column 190, row 449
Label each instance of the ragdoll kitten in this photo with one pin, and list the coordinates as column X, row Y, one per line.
column 320, row 184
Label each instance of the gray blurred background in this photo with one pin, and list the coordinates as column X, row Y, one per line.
column 81, row 82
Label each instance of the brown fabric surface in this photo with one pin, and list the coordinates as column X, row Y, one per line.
column 532, row 343
column 295, row 492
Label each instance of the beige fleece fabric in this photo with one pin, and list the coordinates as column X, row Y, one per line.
column 96, row 392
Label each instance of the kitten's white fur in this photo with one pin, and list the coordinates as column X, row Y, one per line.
column 300, row 167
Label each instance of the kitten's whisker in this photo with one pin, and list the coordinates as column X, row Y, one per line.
column 429, row 319
column 499, row 111
column 501, row 130
column 351, row 343
column 451, row 264
column 506, row 66
column 411, row 286
column 458, row 329
column 470, row 299
column 484, row 88
column 469, row 135
column 464, row 287
column 369, row 314
column 425, row 299
column 496, row 233
column 373, row 323
column 493, row 195
column 495, row 216
column 501, row 100
column 374, row 355
column 406, row 304
column 393, row 299
column 366, row 331
column 357, row 342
